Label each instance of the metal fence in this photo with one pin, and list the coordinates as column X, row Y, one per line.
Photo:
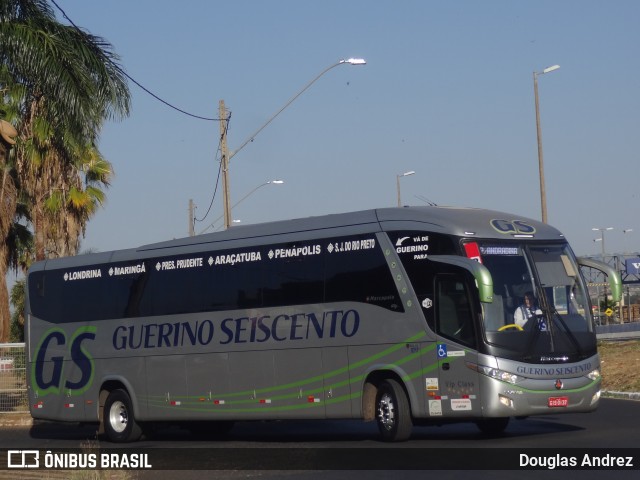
column 13, row 379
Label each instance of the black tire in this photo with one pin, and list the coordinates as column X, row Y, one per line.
column 493, row 426
column 119, row 422
column 393, row 413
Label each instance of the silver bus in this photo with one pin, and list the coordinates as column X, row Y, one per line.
column 403, row 316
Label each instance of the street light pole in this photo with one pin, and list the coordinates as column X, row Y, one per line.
column 602, row 230
column 228, row 157
column 625, row 231
column 405, row 174
column 350, row 61
column 270, row 182
column 543, row 193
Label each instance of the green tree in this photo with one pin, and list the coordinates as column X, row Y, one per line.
column 11, row 232
column 61, row 83
column 17, row 319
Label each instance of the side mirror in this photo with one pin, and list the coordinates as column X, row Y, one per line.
column 615, row 282
column 484, row 281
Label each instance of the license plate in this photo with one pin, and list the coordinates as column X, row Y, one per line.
column 558, row 401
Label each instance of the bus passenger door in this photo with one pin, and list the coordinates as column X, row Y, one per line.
column 458, row 390
column 337, row 385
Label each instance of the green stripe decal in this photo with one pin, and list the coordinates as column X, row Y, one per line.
column 293, row 390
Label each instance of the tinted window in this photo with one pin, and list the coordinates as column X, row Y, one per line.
column 453, row 304
column 414, row 249
column 294, row 274
column 335, row 270
column 360, row 274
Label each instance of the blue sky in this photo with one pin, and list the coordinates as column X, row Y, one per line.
column 447, row 92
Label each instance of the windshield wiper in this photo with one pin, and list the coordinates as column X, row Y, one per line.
column 556, row 315
column 534, row 334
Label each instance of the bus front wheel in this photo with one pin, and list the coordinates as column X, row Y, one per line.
column 493, row 426
column 393, row 413
column 119, row 423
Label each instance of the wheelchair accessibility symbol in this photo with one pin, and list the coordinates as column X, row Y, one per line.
column 442, row 350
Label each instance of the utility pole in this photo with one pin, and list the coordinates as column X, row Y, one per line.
column 224, row 165
column 191, row 217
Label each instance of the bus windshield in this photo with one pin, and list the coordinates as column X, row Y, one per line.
column 540, row 311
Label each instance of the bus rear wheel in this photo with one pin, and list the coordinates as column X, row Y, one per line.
column 393, row 413
column 119, row 422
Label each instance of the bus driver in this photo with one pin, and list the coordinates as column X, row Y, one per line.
column 525, row 311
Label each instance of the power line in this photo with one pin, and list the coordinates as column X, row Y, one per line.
column 215, row 191
column 135, row 81
column 167, row 103
column 146, row 90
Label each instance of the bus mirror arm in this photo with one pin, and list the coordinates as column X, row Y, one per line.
column 484, row 281
column 615, row 281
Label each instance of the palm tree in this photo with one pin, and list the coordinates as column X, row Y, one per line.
column 10, row 231
column 74, row 73
column 62, row 83
column 8, row 209
column 18, row 297
column 70, row 206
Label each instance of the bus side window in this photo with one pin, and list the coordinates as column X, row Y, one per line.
column 496, row 314
column 454, row 312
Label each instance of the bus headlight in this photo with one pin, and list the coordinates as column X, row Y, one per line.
column 499, row 374
column 594, row 374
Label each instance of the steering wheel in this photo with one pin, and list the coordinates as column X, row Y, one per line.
column 511, row 325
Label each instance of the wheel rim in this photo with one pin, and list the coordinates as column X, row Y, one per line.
column 386, row 412
column 118, row 416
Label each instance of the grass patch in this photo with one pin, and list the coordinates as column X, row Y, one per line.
column 620, row 365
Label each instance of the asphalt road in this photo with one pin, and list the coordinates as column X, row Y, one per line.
column 616, row 424
column 613, row 427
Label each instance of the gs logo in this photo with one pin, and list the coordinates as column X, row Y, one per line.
column 513, row 227
column 46, row 381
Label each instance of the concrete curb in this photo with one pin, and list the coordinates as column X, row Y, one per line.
column 14, row 420
column 623, row 395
